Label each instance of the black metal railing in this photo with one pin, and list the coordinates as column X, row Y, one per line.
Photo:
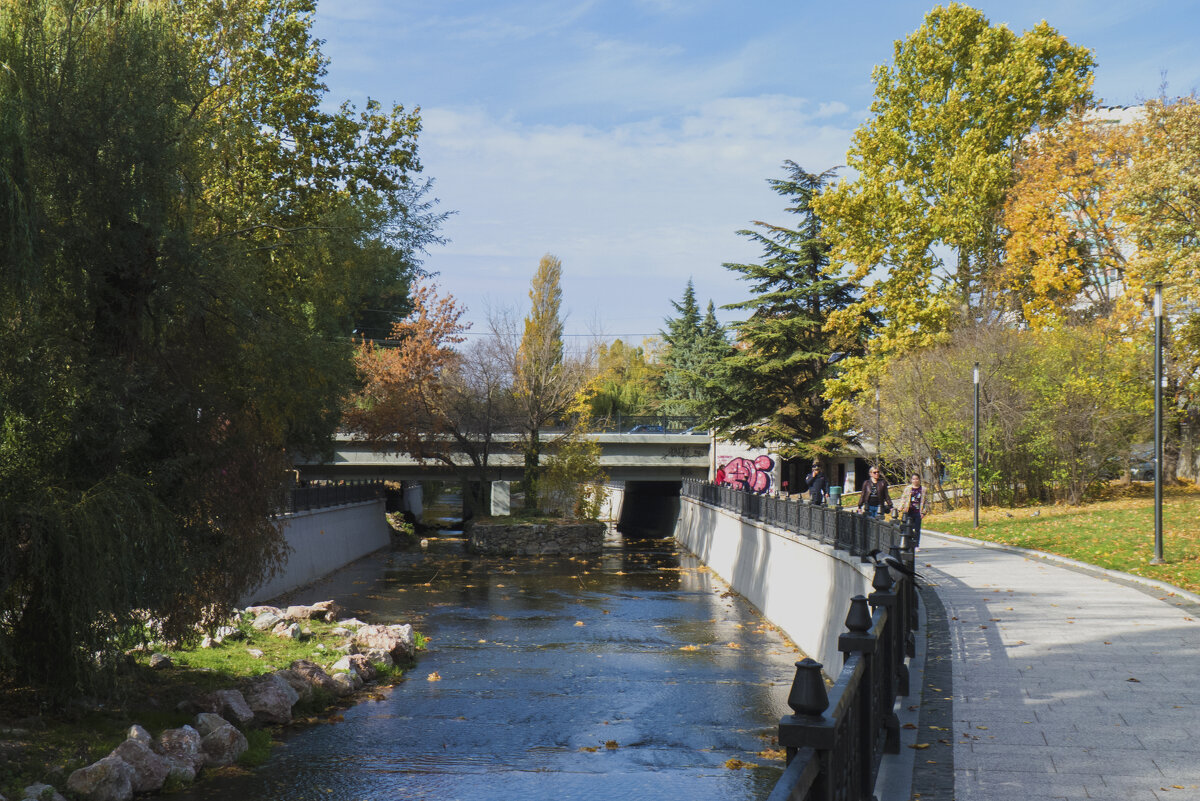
column 832, row 525
column 836, row 739
column 322, row 495
column 631, row 424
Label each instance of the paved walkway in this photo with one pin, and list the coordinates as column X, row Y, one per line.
column 1063, row 683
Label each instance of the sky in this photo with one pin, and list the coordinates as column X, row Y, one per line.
column 632, row 139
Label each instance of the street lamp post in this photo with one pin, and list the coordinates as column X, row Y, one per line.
column 975, row 479
column 1158, row 433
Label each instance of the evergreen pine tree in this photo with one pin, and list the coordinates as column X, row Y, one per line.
column 694, row 347
column 769, row 389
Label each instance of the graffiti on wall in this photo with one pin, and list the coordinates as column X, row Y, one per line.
column 753, row 475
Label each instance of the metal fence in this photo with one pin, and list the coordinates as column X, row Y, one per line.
column 832, row 525
column 836, row 739
column 320, row 496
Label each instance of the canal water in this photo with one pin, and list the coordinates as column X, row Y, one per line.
column 633, row 674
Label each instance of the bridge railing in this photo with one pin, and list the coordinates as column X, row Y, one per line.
column 632, row 424
column 322, row 495
column 832, row 525
column 836, row 739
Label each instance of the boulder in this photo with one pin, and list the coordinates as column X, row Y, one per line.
column 271, row 698
column 395, row 640
column 229, row 704
column 327, row 611
column 255, row 611
column 346, row 683
column 297, row 683
column 357, row 663
column 288, row 631
column 378, row 656
column 181, row 745
column 315, row 676
column 208, row 722
column 110, row 779
column 150, row 769
column 267, row 621
column 138, row 733
column 160, row 662
column 351, row 623
column 40, row 792
column 224, row 745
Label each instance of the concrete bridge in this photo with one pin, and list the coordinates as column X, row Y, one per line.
column 625, row 457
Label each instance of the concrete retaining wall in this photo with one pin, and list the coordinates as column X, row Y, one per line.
column 323, row 540
column 800, row 585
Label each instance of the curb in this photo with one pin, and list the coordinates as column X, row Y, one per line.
column 1128, row 578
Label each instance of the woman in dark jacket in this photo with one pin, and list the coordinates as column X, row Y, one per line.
column 874, row 494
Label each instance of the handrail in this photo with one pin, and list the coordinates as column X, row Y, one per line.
column 323, row 495
column 836, row 740
column 832, row 525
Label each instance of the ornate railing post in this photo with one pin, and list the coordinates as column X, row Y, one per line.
column 807, row 726
column 862, row 641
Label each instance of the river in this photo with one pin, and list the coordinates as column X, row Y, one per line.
column 634, row 674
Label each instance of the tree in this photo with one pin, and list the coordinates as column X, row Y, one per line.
column 1161, row 207
column 544, row 382
column 1067, row 247
column 626, row 383
column 920, row 226
column 693, row 347
column 770, row 388
column 192, row 240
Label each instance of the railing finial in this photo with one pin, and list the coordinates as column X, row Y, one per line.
column 808, row 695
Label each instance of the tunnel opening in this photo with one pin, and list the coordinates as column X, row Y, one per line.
column 649, row 509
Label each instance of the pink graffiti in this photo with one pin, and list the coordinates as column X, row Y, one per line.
column 755, row 476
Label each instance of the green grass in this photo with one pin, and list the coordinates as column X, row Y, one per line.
column 1116, row 532
column 53, row 744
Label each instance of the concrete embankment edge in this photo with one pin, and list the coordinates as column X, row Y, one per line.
column 321, row 541
column 799, row 585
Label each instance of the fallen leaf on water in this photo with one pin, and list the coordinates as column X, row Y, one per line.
column 611, row 745
column 689, row 648
column 735, row 764
column 908, row 726
column 1139, row 681
column 734, row 645
column 919, row 746
column 591, row 749
column 433, row 677
column 773, row 753
column 983, row 728
column 578, row 622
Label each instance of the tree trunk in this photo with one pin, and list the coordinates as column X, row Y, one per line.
column 532, row 471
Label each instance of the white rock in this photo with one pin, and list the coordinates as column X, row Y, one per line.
column 110, row 779
column 150, row 769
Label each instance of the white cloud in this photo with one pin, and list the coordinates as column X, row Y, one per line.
column 633, row 210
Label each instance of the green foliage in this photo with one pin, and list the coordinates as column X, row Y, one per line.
column 1060, row 410
column 769, row 389
column 693, row 349
column 626, row 383
column 572, row 483
column 192, row 240
column 259, row 743
column 920, row 225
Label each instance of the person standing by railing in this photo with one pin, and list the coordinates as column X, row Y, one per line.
column 874, row 494
column 914, row 505
column 818, row 485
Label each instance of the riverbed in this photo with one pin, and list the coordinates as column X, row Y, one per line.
column 633, row 674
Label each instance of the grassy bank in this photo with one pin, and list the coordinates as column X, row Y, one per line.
column 43, row 745
column 1116, row 532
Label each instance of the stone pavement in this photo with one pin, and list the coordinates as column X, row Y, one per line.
column 1060, row 682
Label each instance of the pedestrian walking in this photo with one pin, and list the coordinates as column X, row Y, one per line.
column 818, row 485
column 720, row 477
column 874, row 495
column 914, row 505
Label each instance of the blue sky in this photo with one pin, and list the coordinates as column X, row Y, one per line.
column 633, row 138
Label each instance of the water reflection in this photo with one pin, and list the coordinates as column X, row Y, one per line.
column 630, row 672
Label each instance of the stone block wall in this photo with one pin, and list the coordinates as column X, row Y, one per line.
column 527, row 539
